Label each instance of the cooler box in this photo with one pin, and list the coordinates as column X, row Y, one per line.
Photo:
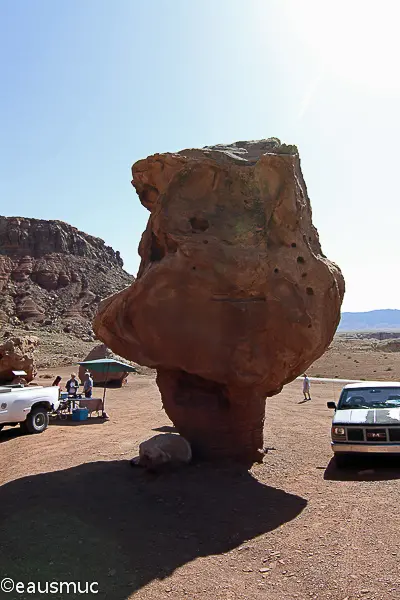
column 80, row 414
column 64, row 395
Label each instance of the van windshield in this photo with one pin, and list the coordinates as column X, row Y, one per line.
column 379, row 397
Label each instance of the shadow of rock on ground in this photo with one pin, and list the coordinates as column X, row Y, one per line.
column 166, row 429
column 109, row 523
column 68, row 422
column 368, row 468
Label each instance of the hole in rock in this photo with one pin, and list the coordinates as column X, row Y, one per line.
column 310, row 291
column 309, row 326
column 199, row 224
column 193, row 268
column 276, row 270
column 294, row 245
column 300, row 260
column 304, row 275
column 156, row 250
column 205, row 241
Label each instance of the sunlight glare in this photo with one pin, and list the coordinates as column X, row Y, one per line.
column 355, row 39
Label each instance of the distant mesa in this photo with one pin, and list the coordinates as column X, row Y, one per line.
column 374, row 320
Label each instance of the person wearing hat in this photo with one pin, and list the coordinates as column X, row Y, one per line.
column 72, row 385
column 88, row 385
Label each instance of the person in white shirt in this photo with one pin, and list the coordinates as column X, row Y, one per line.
column 88, row 385
column 306, row 387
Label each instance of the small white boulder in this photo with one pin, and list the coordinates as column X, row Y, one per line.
column 163, row 450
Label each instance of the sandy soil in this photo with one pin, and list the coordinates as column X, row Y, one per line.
column 357, row 359
column 72, row 509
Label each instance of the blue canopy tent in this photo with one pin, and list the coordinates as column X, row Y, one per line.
column 107, row 366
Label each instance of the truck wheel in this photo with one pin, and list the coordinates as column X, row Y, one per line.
column 37, row 420
column 342, row 461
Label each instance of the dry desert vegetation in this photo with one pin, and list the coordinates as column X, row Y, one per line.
column 293, row 527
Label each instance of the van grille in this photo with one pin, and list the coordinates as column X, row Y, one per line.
column 355, row 435
column 394, row 434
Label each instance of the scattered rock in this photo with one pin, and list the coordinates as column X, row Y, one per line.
column 101, row 351
column 18, row 354
column 165, row 450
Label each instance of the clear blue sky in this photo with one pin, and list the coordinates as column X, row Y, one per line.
column 90, row 86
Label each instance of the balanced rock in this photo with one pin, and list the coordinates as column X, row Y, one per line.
column 18, row 354
column 233, row 297
column 101, row 351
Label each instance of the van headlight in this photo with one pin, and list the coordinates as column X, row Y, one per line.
column 338, row 432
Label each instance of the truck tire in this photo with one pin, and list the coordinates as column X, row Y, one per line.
column 1, row 427
column 37, row 420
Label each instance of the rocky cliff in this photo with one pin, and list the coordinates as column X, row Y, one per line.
column 53, row 275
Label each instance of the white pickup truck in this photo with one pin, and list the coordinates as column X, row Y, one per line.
column 28, row 406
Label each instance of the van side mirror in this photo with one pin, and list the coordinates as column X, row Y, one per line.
column 331, row 405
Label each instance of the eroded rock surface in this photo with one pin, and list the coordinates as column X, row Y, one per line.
column 18, row 354
column 233, row 298
column 53, row 275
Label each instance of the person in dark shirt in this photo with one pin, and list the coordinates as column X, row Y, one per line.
column 72, row 385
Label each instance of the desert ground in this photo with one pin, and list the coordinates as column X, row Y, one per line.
column 294, row 527
column 360, row 356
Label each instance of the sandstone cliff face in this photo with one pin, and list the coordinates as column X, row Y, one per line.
column 52, row 273
column 233, row 298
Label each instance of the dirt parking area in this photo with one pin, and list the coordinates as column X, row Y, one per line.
column 72, row 509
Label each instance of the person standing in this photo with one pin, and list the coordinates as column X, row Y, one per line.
column 72, row 385
column 306, row 387
column 57, row 381
column 88, row 385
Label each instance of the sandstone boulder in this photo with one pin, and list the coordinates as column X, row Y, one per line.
column 101, row 351
column 234, row 297
column 18, row 354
